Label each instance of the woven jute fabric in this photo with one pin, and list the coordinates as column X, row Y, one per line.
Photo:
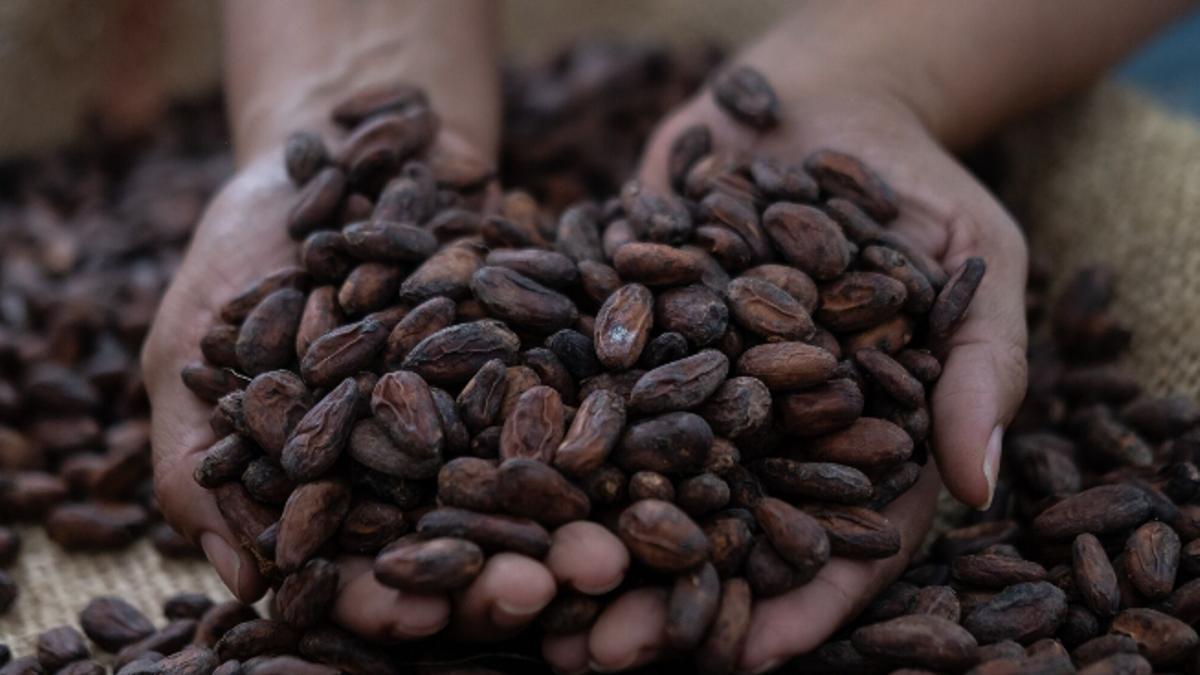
column 55, row 585
column 1112, row 178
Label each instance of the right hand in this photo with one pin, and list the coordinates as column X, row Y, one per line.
column 241, row 238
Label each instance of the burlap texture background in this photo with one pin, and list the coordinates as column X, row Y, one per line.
column 1108, row 178
column 55, row 585
column 1113, row 178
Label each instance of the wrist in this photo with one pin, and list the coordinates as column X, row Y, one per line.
column 836, row 54
column 290, row 62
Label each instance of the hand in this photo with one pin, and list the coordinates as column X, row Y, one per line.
column 947, row 214
column 242, row 237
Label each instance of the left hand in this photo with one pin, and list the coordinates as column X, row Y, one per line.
column 946, row 213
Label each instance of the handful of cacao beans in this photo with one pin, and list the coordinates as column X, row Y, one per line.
column 1088, row 557
column 90, row 236
column 732, row 378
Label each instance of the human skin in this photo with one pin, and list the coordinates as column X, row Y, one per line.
column 288, row 63
column 901, row 83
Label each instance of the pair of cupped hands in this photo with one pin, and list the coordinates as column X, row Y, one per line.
column 863, row 111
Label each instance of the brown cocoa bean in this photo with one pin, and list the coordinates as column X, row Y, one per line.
column 702, row 494
column 593, row 434
column 490, row 532
column 304, row 596
column 669, row 444
column 446, row 273
column 792, row 281
column 257, row 637
column 112, row 623
column 657, row 264
column 822, row 481
column 317, row 202
column 453, row 354
column 767, row 310
column 822, row 409
column 1162, row 639
column 743, row 93
column 695, row 312
column 723, row 645
column 795, row 535
column 534, row 428
column 623, row 326
column 311, row 516
column 1023, row 612
column 691, row 607
column 856, row 532
column 787, row 365
column 320, row 436
column 267, row 338
column 342, row 352
column 1152, row 559
column 223, row 461
column 371, row 525
column 860, row 300
column 843, row 175
column 404, row 407
column 681, row 384
column 1099, row 510
column 208, row 383
column 273, row 405
column 430, row 566
column 995, row 571
column 521, row 301
column 661, row 536
column 531, row 488
column 918, row 640
column 95, row 525
column 768, row 573
column 952, row 302
column 867, row 444
column 569, row 613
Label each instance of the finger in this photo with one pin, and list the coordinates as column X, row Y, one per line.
column 180, row 436
column 567, row 654
column 507, row 595
column 800, row 620
column 629, row 633
column 723, row 131
column 368, row 608
column 983, row 376
column 587, row 557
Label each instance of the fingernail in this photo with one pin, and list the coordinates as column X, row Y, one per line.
column 637, row 658
column 226, row 561
column 600, row 590
column 507, row 615
column 766, row 667
column 991, row 463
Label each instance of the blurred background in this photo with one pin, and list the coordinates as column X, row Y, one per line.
column 63, row 60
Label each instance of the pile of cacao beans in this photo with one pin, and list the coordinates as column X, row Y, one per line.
column 199, row 637
column 1088, row 558
column 732, row 378
column 89, row 238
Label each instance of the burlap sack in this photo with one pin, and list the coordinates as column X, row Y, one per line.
column 1114, row 178
column 55, row 585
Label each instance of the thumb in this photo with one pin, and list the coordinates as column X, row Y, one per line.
column 180, row 435
column 692, row 131
column 983, row 377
